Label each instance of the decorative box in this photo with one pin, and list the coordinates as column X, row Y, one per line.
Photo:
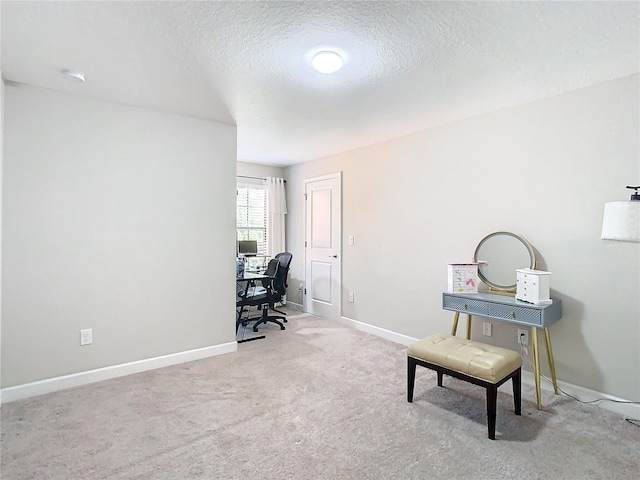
column 462, row 278
column 532, row 286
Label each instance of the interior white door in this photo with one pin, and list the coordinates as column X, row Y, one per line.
column 323, row 245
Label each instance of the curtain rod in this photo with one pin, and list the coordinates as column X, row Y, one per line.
column 256, row 178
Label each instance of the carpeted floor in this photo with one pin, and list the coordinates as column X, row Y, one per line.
column 316, row 401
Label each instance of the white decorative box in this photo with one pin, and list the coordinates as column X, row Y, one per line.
column 532, row 286
column 462, row 278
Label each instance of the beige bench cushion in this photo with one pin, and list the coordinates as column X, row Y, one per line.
column 471, row 358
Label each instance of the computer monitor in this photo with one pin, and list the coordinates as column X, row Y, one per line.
column 247, row 248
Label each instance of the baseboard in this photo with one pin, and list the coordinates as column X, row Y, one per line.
column 55, row 384
column 628, row 410
column 379, row 332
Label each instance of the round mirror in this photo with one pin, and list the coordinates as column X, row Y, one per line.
column 499, row 255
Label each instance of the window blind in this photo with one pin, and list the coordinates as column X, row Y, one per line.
column 251, row 215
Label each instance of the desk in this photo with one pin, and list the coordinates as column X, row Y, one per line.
column 243, row 283
column 251, row 277
column 508, row 309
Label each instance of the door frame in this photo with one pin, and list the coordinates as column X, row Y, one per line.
column 329, row 176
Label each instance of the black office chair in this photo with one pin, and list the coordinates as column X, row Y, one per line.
column 280, row 282
column 263, row 297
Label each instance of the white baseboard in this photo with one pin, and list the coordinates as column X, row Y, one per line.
column 628, row 410
column 379, row 332
column 55, row 384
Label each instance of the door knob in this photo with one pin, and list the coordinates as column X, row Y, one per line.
column 333, row 256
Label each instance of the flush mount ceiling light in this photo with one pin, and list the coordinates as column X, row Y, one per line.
column 75, row 75
column 327, row 61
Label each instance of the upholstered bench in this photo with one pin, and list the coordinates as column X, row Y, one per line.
column 474, row 362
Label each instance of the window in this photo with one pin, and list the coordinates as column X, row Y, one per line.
column 251, row 214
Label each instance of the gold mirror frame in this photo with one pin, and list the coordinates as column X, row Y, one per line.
column 495, row 287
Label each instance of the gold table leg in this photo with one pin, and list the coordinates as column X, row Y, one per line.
column 552, row 366
column 454, row 327
column 536, row 365
column 468, row 326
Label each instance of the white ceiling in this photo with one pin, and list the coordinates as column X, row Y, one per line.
column 409, row 65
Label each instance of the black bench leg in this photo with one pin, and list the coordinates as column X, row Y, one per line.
column 517, row 392
column 439, row 378
column 492, row 400
column 411, row 378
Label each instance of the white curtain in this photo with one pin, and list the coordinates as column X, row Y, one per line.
column 277, row 209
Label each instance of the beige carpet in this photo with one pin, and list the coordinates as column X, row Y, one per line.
column 317, row 401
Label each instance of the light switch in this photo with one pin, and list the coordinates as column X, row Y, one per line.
column 352, row 240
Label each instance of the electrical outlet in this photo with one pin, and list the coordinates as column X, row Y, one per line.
column 86, row 336
column 486, row 329
column 351, row 298
column 523, row 336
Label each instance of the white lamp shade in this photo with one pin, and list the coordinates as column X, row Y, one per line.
column 621, row 221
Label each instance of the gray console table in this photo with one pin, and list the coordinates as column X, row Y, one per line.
column 508, row 309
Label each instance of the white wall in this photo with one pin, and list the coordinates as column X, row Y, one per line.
column 543, row 170
column 117, row 219
column 257, row 170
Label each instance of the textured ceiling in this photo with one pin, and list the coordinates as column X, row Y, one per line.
column 409, row 65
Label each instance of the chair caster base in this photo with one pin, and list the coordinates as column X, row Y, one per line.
column 282, row 327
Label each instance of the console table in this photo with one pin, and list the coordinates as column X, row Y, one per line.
column 508, row 309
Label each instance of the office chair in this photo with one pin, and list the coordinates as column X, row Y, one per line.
column 278, row 289
column 262, row 297
column 280, row 278
column 280, row 281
